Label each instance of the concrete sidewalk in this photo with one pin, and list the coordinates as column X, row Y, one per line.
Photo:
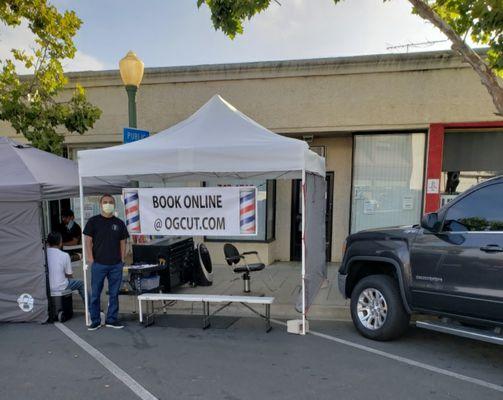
column 281, row 280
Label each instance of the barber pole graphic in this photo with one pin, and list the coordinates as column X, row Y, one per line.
column 247, row 211
column 132, row 204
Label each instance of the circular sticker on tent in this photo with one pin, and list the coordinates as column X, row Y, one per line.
column 25, row 302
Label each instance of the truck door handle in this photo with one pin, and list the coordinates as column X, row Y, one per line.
column 492, row 248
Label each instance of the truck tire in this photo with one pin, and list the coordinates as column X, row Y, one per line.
column 377, row 309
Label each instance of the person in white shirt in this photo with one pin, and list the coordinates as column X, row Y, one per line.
column 60, row 267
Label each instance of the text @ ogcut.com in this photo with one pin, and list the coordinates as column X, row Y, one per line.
column 190, row 223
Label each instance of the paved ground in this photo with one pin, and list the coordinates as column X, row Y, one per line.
column 236, row 359
column 280, row 280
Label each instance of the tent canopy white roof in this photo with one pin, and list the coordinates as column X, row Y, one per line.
column 217, row 141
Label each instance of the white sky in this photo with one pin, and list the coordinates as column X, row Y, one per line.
column 175, row 32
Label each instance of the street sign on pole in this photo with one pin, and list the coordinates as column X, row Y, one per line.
column 133, row 134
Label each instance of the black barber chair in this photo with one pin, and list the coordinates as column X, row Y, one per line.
column 233, row 257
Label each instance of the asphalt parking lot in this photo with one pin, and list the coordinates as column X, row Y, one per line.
column 236, row 359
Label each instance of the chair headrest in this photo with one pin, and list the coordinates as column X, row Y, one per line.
column 231, row 254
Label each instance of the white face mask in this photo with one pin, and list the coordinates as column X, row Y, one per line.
column 108, row 208
column 70, row 224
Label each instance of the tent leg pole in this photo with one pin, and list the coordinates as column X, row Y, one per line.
column 303, row 198
column 84, row 261
column 50, row 310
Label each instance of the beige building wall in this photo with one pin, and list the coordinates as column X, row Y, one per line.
column 327, row 98
column 339, row 152
column 383, row 92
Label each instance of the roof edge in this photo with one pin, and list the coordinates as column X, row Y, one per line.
column 441, row 57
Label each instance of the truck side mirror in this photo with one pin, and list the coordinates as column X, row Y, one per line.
column 430, row 222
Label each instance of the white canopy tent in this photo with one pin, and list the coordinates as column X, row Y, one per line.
column 218, row 141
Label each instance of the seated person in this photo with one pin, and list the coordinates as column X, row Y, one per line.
column 70, row 230
column 60, row 267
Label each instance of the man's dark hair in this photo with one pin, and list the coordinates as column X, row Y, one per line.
column 67, row 213
column 107, row 195
column 54, row 239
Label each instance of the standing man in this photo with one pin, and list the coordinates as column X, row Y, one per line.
column 105, row 246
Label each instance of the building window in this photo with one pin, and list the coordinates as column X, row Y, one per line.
column 266, row 211
column 388, row 174
column 469, row 158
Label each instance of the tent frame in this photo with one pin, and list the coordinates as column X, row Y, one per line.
column 84, row 259
column 211, row 143
column 303, row 249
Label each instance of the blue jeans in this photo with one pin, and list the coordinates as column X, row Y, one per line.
column 113, row 273
column 75, row 284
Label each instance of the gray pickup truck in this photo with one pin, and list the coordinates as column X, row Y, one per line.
column 450, row 266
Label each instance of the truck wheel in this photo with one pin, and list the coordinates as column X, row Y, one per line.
column 377, row 309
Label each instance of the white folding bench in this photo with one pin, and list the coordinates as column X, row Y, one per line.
column 206, row 299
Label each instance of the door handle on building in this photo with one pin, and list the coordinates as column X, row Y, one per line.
column 492, row 248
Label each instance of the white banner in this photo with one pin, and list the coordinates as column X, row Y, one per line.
column 215, row 211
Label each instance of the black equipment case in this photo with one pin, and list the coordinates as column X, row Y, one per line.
column 177, row 252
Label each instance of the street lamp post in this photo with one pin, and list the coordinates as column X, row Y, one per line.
column 131, row 70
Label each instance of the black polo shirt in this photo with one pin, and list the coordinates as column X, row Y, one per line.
column 107, row 234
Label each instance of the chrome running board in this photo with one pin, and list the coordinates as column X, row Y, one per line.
column 470, row 333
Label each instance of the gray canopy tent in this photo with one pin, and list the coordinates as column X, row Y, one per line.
column 29, row 177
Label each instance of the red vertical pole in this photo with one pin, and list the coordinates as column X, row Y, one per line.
column 434, row 167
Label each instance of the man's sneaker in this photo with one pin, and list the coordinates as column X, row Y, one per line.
column 94, row 326
column 115, row 325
